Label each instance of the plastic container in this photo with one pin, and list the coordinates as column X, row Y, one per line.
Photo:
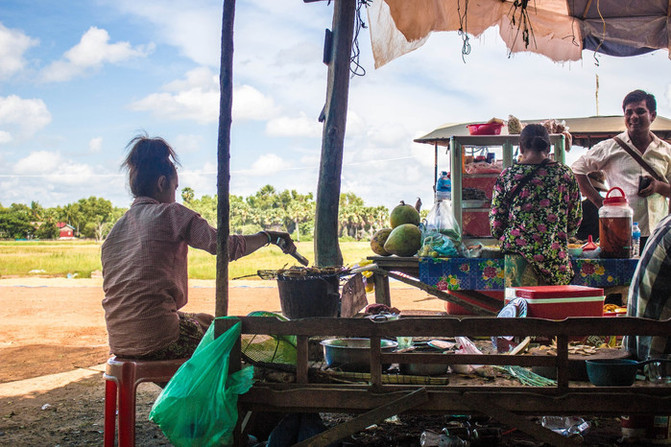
column 444, row 187
column 635, row 240
column 615, row 226
column 566, row 425
column 485, row 129
column 559, row 302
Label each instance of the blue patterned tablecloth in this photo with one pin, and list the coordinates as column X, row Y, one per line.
column 487, row 274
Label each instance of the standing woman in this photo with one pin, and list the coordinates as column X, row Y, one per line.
column 144, row 259
column 535, row 209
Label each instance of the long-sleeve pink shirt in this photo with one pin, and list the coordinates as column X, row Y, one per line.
column 145, row 276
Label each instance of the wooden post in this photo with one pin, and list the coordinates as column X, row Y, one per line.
column 223, row 157
column 327, row 249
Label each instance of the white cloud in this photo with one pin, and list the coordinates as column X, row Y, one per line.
column 21, row 117
column 195, row 29
column 54, row 169
column 268, row 164
column 187, row 143
column 39, row 162
column 5, row 137
column 301, row 126
column 92, row 51
column 13, row 43
column 249, row 103
column 96, row 144
column 202, row 180
column 196, row 97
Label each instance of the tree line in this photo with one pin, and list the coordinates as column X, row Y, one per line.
column 268, row 208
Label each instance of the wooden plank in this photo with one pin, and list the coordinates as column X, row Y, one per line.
column 375, row 363
column 327, row 250
column 431, row 326
column 562, row 361
column 353, row 297
column 488, row 407
column 302, row 359
column 382, row 292
column 478, row 310
column 530, row 401
column 410, row 400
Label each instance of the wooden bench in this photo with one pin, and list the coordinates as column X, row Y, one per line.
column 377, row 400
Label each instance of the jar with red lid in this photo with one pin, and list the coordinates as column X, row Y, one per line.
column 615, row 223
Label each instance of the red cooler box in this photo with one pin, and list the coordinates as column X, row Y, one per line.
column 559, row 302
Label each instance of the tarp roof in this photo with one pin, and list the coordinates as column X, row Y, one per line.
column 558, row 29
column 585, row 131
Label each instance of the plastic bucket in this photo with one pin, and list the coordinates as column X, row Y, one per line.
column 309, row 296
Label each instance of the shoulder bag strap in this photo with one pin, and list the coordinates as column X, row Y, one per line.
column 639, row 160
column 524, row 181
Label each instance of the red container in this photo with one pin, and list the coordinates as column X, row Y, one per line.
column 455, row 309
column 483, row 182
column 559, row 302
column 475, row 222
column 485, row 129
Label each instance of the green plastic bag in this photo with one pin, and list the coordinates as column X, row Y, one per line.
column 198, row 407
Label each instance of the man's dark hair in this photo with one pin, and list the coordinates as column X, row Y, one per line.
column 638, row 96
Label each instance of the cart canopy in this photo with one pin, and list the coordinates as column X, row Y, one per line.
column 585, row 131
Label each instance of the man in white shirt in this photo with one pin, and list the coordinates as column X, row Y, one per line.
column 649, row 202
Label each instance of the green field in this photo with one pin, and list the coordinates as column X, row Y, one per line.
column 60, row 258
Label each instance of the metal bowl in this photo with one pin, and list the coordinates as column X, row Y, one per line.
column 352, row 354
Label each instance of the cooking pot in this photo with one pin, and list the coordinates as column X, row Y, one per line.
column 615, row 372
column 352, row 354
column 423, row 369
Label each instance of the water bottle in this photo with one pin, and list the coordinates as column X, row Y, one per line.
column 635, row 240
column 444, row 187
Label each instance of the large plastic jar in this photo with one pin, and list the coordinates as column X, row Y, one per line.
column 615, row 222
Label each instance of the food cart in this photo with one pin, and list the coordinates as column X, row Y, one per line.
column 464, row 282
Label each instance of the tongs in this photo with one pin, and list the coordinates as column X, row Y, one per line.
column 283, row 245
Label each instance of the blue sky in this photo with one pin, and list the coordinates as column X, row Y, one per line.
column 79, row 79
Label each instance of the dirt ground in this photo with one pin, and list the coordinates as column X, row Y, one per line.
column 53, row 347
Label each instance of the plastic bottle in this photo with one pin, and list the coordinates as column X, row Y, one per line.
column 615, row 222
column 635, row 240
column 570, row 426
column 444, row 187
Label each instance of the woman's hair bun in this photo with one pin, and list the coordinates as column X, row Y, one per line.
column 535, row 137
column 144, row 149
column 147, row 160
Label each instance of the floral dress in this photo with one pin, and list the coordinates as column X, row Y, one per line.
column 538, row 218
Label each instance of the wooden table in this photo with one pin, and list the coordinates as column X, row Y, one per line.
column 470, row 277
column 375, row 399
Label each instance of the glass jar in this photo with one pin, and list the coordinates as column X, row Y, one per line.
column 615, row 223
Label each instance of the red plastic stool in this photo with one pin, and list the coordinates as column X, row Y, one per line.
column 122, row 376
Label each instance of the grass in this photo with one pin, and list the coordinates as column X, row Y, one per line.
column 60, row 258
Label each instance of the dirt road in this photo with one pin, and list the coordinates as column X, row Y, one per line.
column 52, row 325
column 53, row 342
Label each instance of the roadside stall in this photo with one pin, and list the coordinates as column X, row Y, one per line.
column 475, row 162
column 372, row 395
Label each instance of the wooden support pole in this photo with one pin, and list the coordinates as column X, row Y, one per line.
column 410, row 400
column 327, row 249
column 223, row 158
